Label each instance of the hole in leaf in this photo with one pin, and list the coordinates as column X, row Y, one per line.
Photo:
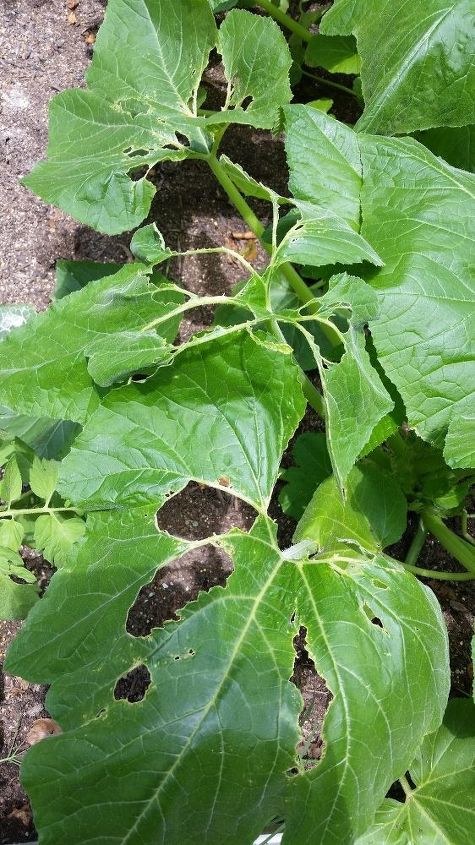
column 375, row 620
column 174, row 586
column 316, row 697
column 136, row 153
column 137, row 173
column 134, row 685
column 198, row 512
column 246, row 102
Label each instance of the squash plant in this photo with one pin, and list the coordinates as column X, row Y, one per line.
column 105, row 417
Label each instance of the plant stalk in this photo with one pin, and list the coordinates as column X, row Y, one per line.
column 437, row 575
column 458, row 548
column 416, row 545
column 11, row 512
column 282, row 18
column 405, row 785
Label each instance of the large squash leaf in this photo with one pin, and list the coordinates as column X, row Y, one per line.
column 209, row 752
column 141, row 100
column 417, row 212
column 417, row 66
column 441, row 808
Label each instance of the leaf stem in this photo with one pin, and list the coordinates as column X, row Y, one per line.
column 329, row 83
column 312, row 395
column 458, row 548
column 285, row 20
column 416, row 545
column 12, row 512
column 437, row 575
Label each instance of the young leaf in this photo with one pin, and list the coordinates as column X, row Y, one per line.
column 148, row 245
column 416, row 69
column 373, row 513
column 54, row 536
column 207, row 415
column 11, row 534
column 53, row 347
column 244, row 712
column 257, row 61
column 442, row 806
column 16, row 599
column 43, row 478
column 11, row 483
column 336, row 54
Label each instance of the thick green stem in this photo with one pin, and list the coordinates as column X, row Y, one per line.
column 282, row 18
column 245, row 210
column 296, row 282
column 329, row 83
column 462, row 551
column 417, row 543
column 437, row 575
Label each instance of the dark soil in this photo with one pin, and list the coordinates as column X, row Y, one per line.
column 41, row 52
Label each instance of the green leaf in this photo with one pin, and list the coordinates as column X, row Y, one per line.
column 43, row 478
column 312, row 466
column 13, row 316
column 59, row 384
column 148, row 245
column 11, row 483
column 49, row 439
column 373, row 512
column 257, row 61
column 417, row 69
column 459, row 449
column 16, row 599
column 321, row 238
column 236, row 398
column 322, row 104
column 142, row 98
column 455, row 145
column 330, row 175
column 223, row 705
column 11, row 534
column 336, row 54
column 440, row 809
column 248, row 186
column 55, row 535
column 419, row 214
column 74, row 275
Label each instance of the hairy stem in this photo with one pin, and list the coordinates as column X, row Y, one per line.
column 312, row 395
column 416, row 545
column 462, row 551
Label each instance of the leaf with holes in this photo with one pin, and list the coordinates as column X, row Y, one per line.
column 140, row 106
column 417, row 64
column 225, row 703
